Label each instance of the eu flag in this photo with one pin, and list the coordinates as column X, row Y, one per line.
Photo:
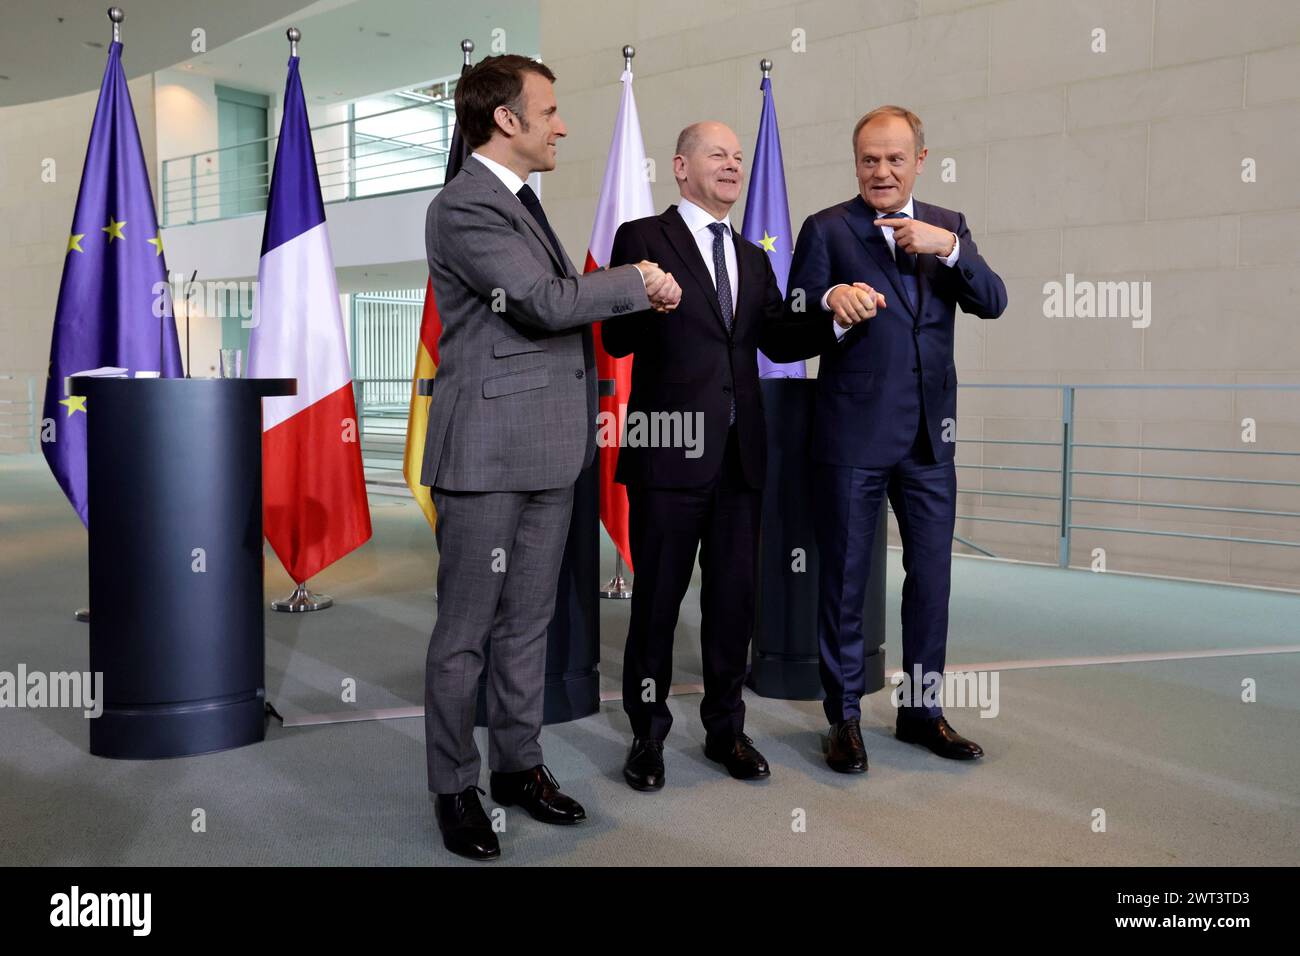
column 767, row 216
column 114, row 303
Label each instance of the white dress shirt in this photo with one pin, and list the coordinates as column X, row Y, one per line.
column 507, row 175
column 697, row 222
column 909, row 211
column 512, row 182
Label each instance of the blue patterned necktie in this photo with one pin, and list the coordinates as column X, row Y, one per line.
column 722, row 280
column 906, row 263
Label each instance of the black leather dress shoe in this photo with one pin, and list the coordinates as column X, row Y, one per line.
column 537, row 792
column 936, row 734
column 844, row 749
column 644, row 769
column 739, row 756
column 466, row 830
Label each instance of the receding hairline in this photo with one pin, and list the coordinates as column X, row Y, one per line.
column 900, row 112
column 688, row 140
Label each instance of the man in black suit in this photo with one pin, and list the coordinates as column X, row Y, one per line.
column 702, row 489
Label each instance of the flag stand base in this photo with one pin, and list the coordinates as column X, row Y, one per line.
column 82, row 614
column 302, row 599
column 616, row 588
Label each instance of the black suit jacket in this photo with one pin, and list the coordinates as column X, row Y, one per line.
column 685, row 361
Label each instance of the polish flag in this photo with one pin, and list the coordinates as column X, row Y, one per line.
column 313, row 488
column 624, row 195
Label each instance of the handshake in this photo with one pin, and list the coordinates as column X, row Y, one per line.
column 660, row 286
column 854, row 303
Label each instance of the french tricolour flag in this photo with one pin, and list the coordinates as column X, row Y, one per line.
column 313, row 487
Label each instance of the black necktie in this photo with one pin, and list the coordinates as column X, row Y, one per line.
column 722, row 279
column 906, row 263
column 534, row 207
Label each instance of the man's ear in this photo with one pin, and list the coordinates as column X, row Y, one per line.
column 679, row 167
column 920, row 158
column 506, row 121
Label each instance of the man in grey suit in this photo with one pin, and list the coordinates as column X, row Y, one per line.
column 511, row 425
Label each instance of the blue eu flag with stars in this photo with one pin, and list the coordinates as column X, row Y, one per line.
column 114, row 303
column 767, row 217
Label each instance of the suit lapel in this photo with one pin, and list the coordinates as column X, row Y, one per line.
column 489, row 179
column 861, row 219
column 680, row 238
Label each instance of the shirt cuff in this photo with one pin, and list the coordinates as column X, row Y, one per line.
column 840, row 331
column 951, row 260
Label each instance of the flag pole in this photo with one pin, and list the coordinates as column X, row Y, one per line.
column 616, row 588
column 116, row 16
column 302, row 598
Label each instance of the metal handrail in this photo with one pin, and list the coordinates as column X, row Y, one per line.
column 28, row 411
column 1217, row 451
column 1068, row 471
column 441, row 104
column 188, row 197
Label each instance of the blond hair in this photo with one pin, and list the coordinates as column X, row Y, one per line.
column 914, row 121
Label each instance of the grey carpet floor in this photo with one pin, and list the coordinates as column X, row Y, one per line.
column 1184, row 770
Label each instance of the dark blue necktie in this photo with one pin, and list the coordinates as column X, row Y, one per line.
column 722, row 279
column 906, row 263
column 534, row 207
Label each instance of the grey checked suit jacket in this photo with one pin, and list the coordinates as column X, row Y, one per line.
column 513, row 405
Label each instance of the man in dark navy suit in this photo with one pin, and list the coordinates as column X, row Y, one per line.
column 878, row 279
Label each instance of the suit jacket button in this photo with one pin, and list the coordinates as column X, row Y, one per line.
column 578, row 374
column 969, row 274
column 726, row 388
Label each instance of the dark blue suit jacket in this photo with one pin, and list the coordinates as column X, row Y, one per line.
column 867, row 382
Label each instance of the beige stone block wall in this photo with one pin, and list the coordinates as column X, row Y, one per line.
column 1123, row 165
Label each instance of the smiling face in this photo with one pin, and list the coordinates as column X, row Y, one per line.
column 533, row 135
column 708, row 169
column 887, row 163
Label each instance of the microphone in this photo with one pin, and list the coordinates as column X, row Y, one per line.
column 188, row 285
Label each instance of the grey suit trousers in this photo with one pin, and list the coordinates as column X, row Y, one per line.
column 499, row 551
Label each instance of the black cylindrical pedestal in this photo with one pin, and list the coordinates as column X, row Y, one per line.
column 784, row 658
column 175, row 503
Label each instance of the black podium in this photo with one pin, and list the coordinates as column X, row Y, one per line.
column 573, row 639
column 784, row 658
column 175, row 502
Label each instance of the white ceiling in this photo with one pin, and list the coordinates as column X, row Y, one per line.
column 349, row 48
column 45, row 51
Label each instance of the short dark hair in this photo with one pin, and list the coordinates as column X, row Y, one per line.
column 493, row 81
